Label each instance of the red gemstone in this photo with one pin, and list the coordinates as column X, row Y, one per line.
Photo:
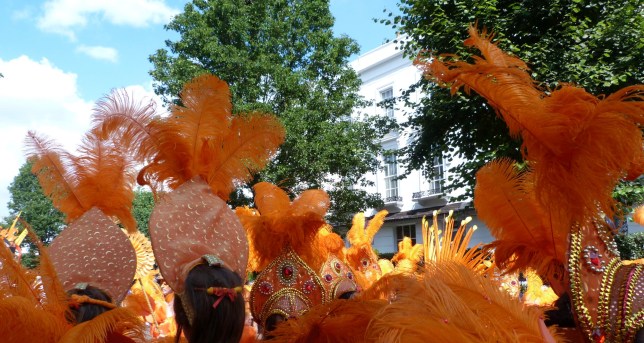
column 308, row 286
column 287, row 271
column 328, row 278
column 337, row 266
column 265, row 288
column 595, row 261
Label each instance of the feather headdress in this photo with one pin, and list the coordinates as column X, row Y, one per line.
column 36, row 300
column 202, row 152
column 100, row 176
column 453, row 303
column 360, row 254
column 579, row 145
column 527, row 234
column 201, row 137
column 285, row 224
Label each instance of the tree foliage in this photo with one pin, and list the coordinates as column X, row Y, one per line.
column 630, row 246
column 280, row 56
column 142, row 207
column 596, row 44
column 36, row 209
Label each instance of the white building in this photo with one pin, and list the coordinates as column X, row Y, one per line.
column 385, row 73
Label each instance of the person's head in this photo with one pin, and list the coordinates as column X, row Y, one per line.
column 210, row 318
column 84, row 311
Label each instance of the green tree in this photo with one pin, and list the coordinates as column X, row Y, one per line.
column 596, row 44
column 142, row 207
column 631, row 246
column 280, row 56
column 37, row 210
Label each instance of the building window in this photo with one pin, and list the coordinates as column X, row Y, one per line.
column 403, row 231
column 391, row 178
column 387, row 94
column 438, row 176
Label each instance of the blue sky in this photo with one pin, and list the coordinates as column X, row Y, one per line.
column 59, row 56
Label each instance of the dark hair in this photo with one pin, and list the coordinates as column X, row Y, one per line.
column 271, row 324
column 347, row 295
column 86, row 311
column 562, row 315
column 225, row 323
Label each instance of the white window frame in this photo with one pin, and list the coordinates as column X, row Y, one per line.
column 391, row 176
column 437, row 180
column 386, row 94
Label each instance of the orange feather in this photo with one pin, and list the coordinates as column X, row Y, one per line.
column 515, row 218
column 284, row 223
column 638, row 217
column 105, row 177
column 233, row 159
column 100, row 176
column 56, row 175
column 128, row 122
column 200, row 137
column 578, row 145
column 452, row 303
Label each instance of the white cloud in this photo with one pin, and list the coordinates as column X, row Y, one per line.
column 64, row 16
column 36, row 95
column 99, row 52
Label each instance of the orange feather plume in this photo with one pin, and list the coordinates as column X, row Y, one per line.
column 31, row 298
column 452, row 303
column 52, row 165
column 53, row 295
column 338, row 321
column 282, row 223
column 130, row 122
column 638, row 217
column 16, row 280
column 580, row 145
column 525, row 233
column 246, row 149
column 23, row 322
column 202, row 138
column 105, row 177
column 360, row 255
column 99, row 176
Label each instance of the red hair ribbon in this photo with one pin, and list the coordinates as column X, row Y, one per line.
column 222, row 292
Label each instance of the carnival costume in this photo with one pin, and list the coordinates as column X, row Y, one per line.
column 91, row 189
column 452, row 299
column 360, row 255
column 201, row 151
column 550, row 215
column 303, row 265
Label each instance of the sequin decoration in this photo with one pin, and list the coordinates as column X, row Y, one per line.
column 593, row 259
column 308, row 286
column 290, row 298
column 338, row 277
column 93, row 250
column 287, row 273
column 191, row 222
column 265, row 288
